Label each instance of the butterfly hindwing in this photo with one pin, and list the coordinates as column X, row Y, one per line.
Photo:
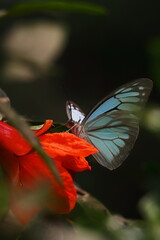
column 114, row 139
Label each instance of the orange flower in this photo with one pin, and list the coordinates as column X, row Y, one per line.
column 26, row 171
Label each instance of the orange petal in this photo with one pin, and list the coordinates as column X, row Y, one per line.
column 23, row 204
column 76, row 164
column 12, row 140
column 9, row 162
column 63, row 144
column 47, row 124
column 33, row 173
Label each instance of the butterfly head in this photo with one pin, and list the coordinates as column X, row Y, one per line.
column 70, row 124
column 75, row 117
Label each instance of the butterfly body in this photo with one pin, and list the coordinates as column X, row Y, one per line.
column 112, row 126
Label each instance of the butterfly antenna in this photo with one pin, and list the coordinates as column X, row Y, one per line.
column 70, row 127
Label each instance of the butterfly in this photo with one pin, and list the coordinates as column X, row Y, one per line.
column 112, row 126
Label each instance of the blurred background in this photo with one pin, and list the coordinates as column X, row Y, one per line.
column 48, row 56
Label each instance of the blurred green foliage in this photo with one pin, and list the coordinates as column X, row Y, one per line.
column 90, row 219
column 53, row 6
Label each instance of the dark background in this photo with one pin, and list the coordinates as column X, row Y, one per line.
column 101, row 52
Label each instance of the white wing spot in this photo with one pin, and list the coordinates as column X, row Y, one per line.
column 141, row 88
column 135, row 84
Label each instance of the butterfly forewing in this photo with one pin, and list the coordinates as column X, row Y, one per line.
column 74, row 113
column 129, row 97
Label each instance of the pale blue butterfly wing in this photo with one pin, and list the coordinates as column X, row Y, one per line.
column 114, row 138
column 112, row 125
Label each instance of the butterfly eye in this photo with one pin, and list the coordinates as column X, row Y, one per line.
column 70, row 124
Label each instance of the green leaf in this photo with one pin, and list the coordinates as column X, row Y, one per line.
column 57, row 127
column 21, row 125
column 89, row 213
column 54, row 6
column 150, row 208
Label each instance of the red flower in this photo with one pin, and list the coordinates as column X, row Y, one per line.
column 26, row 171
